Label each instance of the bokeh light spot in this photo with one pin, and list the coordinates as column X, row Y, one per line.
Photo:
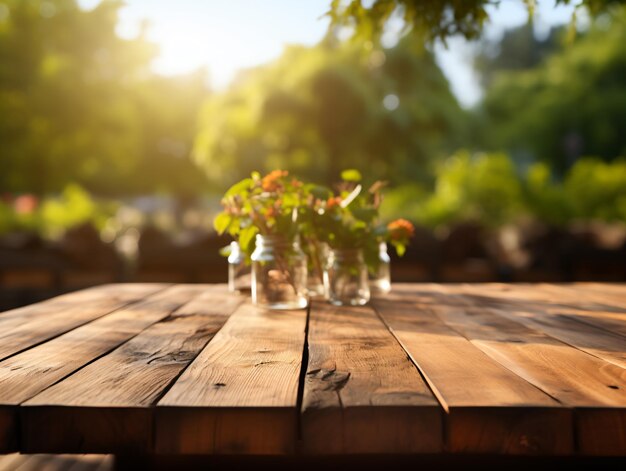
column 391, row 102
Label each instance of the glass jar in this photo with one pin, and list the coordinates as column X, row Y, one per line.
column 279, row 273
column 238, row 270
column 380, row 281
column 317, row 257
column 345, row 278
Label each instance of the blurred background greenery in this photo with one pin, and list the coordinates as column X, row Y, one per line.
column 91, row 136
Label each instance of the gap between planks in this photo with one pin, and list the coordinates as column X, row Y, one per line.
column 361, row 393
column 489, row 408
column 593, row 387
column 239, row 396
column 106, row 405
column 22, row 329
column 591, row 339
column 29, row 372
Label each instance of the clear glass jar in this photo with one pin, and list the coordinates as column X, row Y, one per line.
column 279, row 273
column 317, row 258
column 345, row 278
column 238, row 270
column 380, row 281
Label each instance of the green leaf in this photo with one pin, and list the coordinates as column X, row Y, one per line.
column 239, row 188
column 221, row 222
column 400, row 249
column 380, row 231
column 365, row 214
column 289, row 200
column 320, row 192
column 246, row 236
column 235, row 226
column 225, row 251
column 351, row 175
column 359, row 225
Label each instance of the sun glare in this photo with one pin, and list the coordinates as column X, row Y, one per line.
column 224, row 37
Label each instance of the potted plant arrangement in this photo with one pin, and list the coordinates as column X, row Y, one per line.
column 273, row 217
column 262, row 214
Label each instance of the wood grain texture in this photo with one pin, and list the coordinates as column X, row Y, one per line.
column 595, row 309
column 578, row 301
column 361, row 393
column 25, row 327
column 522, row 303
column 489, row 408
column 617, row 290
column 28, row 373
column 605, row 294
column 612, row 436
column 65, row 300
column 106, row 406
column 594, row 388
column 240, row 394
column 535, row 369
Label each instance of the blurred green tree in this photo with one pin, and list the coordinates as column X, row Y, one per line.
column 431, row 19
column 479, row 187
column 487, row 188
column 519, row 49
column 80, row 104
column 591, row 190
column 572, row 104
column 597, row 190
column 316, row 111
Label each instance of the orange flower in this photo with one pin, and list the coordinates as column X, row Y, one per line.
column 296, row 183
column 25, row 204
column 270, row 182
column 400, row 229
column 332, row 202
column 271, row 212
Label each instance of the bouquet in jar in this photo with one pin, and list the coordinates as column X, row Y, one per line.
column 347, row 223
column 261, row 212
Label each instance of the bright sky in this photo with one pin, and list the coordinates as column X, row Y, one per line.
column 229, row 35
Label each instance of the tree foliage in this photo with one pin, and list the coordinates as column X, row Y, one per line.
column 80, row 104
column 53, row 215
column 481, row 187
column 572, row 104
column 316, row 111
column 519, row 49
column 430, row 19
column 487, row 188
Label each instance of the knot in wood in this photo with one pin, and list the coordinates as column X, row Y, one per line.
column 329, row 379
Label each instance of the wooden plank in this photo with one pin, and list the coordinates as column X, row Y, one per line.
column 10, row 462
column 25, row 327
column 17, row 462
column 66, row 300
column 105, row 407
column 26, row 374
column 616, row 289
column 516, row 303
column 490, row 409
column 589, row 308
column 240, row 394
column 595, row 388
column 361, row 393
column 613, row 294
column 30, row 463
column 577, row 301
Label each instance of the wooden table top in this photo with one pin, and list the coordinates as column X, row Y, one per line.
column 192, row 369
